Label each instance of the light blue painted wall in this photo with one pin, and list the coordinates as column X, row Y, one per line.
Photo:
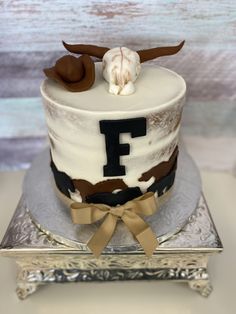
column 21, row 117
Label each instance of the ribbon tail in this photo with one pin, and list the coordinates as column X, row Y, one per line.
column 148, row 241
column 102, row 236
column 142, row 232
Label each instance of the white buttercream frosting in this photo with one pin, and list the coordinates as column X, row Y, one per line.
column 78, row 147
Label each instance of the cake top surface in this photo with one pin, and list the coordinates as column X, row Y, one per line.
column 155, row 87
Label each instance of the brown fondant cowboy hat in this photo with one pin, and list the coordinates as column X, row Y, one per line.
column 75, row 74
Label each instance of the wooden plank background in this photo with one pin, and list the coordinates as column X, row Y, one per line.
column 31, row 34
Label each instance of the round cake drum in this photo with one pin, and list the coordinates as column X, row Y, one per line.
column 53, row 217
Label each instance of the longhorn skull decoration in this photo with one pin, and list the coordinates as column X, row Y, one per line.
column 121, row 66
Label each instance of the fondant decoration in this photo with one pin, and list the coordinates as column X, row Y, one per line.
column 163, row 185
column 111, row 192
column 74, row 74
column 86, row 188
column 121, row 66
column 161, row 169
column 130, row 213
column 113, row 199
column 114, row 149
column 63, row 181
column 153, row 53
column 92, row 50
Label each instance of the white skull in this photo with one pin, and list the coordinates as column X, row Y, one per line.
column 121, row 67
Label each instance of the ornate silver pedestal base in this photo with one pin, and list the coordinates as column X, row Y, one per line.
column 42, row 260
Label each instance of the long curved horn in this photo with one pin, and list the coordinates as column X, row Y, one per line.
column 153, row 53
column 91, row 50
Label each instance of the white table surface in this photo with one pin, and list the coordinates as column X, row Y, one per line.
column 130, row 297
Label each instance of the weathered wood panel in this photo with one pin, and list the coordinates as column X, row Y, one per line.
column 18, row 153
column 39, row 25
column 31, row 34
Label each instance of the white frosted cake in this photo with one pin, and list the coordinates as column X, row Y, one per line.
column 78, row 141
column 113, row 142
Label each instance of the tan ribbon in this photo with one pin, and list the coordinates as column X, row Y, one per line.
column 85, row 213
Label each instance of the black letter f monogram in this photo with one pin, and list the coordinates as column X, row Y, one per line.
column 112, row 129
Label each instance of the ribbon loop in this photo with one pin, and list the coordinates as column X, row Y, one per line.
column 82, row 213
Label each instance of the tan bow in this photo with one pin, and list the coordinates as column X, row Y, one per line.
column 145, row 205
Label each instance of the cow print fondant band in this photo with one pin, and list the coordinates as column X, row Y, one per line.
column 65, row 184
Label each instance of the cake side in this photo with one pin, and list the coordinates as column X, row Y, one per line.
column 115, row 148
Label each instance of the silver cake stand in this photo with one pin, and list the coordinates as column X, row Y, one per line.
column 50, row 249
